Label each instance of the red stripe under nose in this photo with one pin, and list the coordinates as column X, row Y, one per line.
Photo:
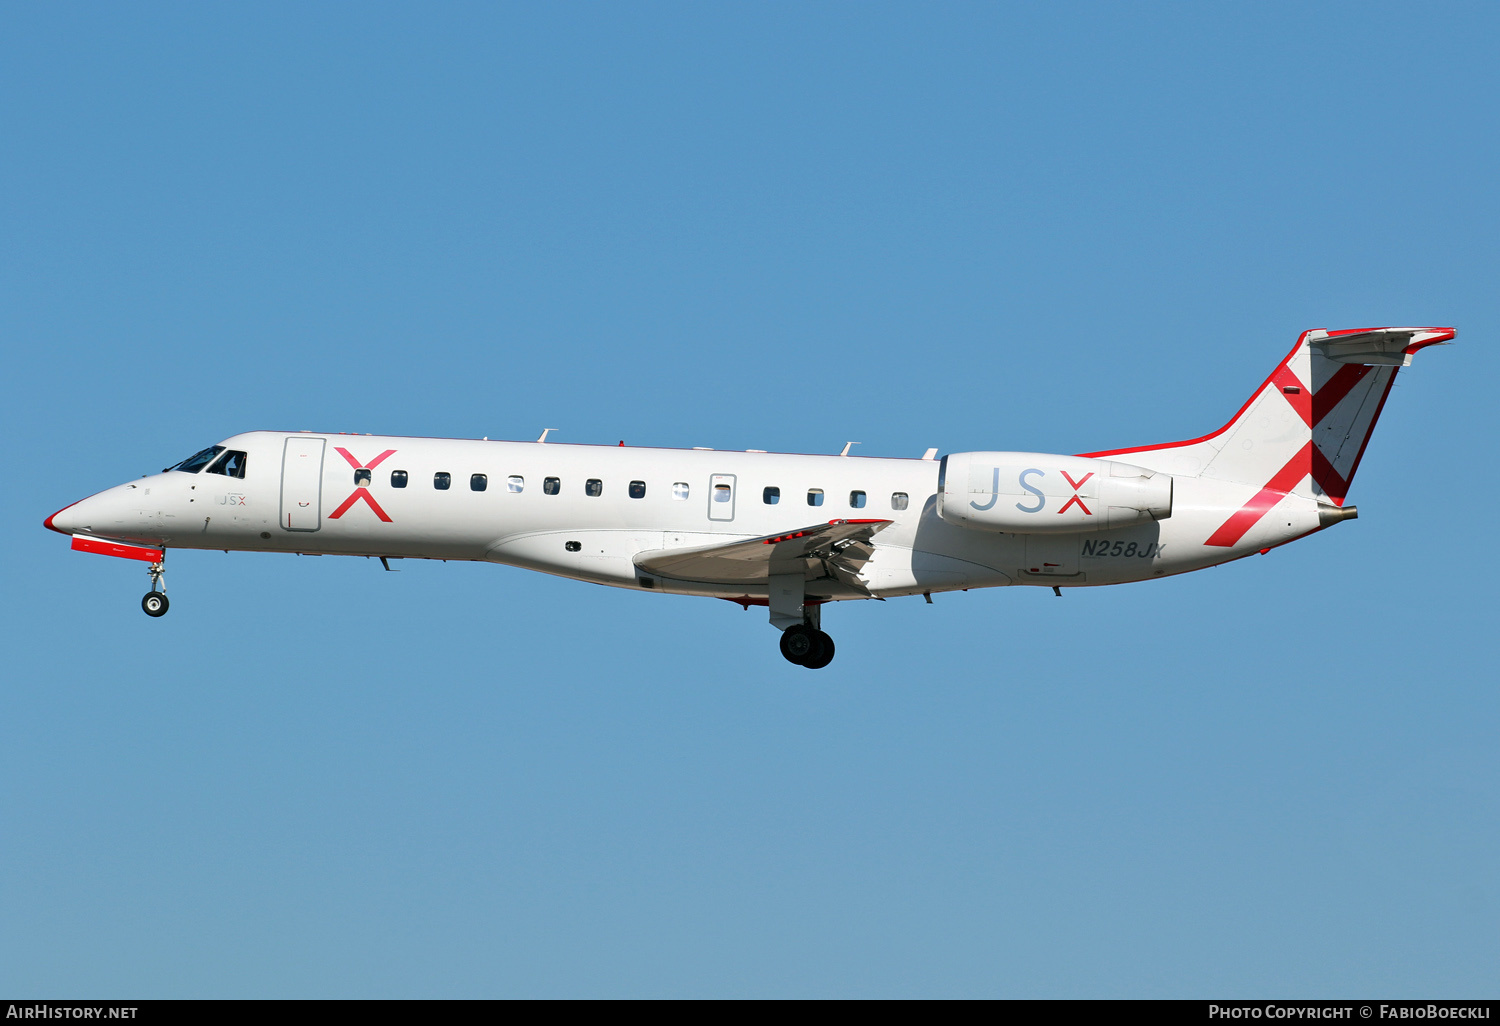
column 109, row 548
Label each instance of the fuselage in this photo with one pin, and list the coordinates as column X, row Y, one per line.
column 590, row 511
column 787, row 531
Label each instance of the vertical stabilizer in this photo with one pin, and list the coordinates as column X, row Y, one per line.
column 1304, row 431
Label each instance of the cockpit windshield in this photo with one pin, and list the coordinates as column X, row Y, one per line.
column 198, row 460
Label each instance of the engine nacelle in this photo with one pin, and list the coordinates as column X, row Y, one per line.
column 1042, row 493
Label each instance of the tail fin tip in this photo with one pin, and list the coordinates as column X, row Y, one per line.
column 1380, row 347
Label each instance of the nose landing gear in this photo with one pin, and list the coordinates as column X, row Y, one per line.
column 155, row 602
column 807, row 646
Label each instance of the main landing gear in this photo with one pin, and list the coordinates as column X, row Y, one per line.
column 807, row 646
column 800, row 621
column 155, row 602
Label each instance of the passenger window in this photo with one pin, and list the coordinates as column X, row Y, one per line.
column 551, row 485
column 723, row 493
column 899, row 500
column 679, row 490
column 857, row 500
column 637, row 489
column 593, row 486
column 441, row 480
column 815, row 496
column 478, row 482
column 771, row 496
column 232, row 465
column 515, row 483
column 398, row 479
column 361, row 478
column 198, row 460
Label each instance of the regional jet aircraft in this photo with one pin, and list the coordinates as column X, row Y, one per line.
column 788, row 532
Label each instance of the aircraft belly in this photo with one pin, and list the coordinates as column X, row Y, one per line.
column 895, row 570
column 604, row 557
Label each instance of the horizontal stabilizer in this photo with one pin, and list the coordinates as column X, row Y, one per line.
column 1388, row 347
column 838, row 549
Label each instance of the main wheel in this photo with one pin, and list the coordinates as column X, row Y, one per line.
column 155, row 603
column 798, row 643
column 822, row 653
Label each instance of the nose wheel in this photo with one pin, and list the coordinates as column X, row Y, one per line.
column 807, row 646
column 155, row 601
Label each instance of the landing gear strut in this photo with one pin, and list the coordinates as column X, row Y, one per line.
column 155, row 602
column 807, row 646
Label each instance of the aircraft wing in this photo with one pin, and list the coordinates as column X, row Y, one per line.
column 837, row 549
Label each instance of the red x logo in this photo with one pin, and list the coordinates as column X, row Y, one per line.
column 361, row 493
column 1076, row 485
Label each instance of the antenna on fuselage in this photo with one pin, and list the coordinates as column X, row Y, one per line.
column 544, row 434
column 848, row 446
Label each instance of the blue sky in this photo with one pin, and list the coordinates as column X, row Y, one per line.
column 1041, row 227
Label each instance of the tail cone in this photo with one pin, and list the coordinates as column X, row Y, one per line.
column 1328, row 515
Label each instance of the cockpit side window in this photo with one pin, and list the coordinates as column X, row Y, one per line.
column 232, row 465
column 198, row 460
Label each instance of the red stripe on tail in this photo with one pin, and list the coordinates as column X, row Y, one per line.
column 1276, row 489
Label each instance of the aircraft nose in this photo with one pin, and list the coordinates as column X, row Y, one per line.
column 81, row 516
column 65, row 520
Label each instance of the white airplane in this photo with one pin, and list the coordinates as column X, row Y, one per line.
column 790, row 532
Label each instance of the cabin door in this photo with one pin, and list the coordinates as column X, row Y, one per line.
column 302, row 483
